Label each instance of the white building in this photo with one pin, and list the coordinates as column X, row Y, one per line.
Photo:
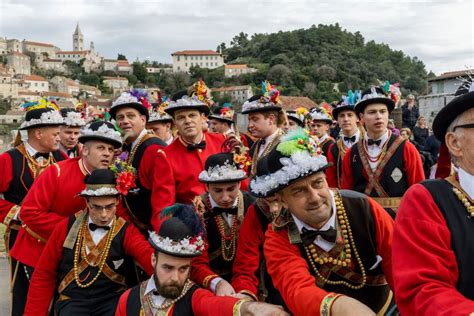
column 185, row 59
column 239, row 94
column 36, row 83
column 64, row 85
column 39, row 48
column 14, row 45
column 19, row 62
column 116, row 83
column 237, row 70
column 8, row 85
column 155, row 70
column 108, row 65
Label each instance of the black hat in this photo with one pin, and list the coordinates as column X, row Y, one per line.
column 157, row 113
column 136, row 99
column 259, row 103
column 296, row 157
column 183, row 101
column 374, row 95
column 72, row 117
column 296, row 117
column 463, row 101
column 101, row 131
column 101, row 182
column 224, row 112
column 181, row 235
column 40, row 116
column 221, row 168
column 320, row 114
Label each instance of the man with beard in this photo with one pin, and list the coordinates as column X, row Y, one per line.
column 329, row 251
column 348, row 121
column 161, row 123
column 320, row 124
column 265, row 118
column 433, row 242
column 70, row 131
column 141, row 150
column 19, row 168
column 382, row 165
column 223, row 208
column 54, row 196
column 84, row 261
column 169, row 291
column 181, row 162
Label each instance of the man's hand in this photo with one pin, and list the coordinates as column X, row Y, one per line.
column 346, row 305
column 261, row 309
column 223, row 288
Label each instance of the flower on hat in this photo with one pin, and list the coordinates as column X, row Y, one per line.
column 42, row 103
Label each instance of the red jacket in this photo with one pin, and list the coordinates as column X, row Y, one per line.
column 44, row 281
column 178, row 171
column 290, row 272
column 53, row 196
column 425, row 266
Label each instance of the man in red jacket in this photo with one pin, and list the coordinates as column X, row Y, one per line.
column 433, row 241
column 181, row 162
column 19, row 168
column 329, row 251
column 54, row 196
column 170, row 291
column 85, row 261
column 70, row 132
column 382, row 165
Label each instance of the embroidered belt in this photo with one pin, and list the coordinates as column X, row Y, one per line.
column 388, row 202
column 33, row 234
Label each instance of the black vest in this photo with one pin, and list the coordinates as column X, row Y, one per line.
column 325, row 146
column 392, row 188
column 337, row 161
column 103, row 286
column 183, row 307
column 22, row 176
column 219, row 265
column 139, row 199
column 359, row 214
column 461, row 227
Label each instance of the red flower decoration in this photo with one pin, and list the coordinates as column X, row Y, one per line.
column 125, row 182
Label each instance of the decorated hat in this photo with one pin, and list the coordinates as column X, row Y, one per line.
column 40, row 114
column 320, row 114
column 72, row 118
column 375, row 95
column 297, row 156
column 463, row 101
column 101, row 131
column 181, row 235
column 136, row 99
column 157, row 110
column 269, row 100
column 224, row 112
column 198, row 97
column 222, row 168
column 297, row 115
column 347, row 103
column 101, row 182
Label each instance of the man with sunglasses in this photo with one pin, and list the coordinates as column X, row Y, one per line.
column 433, row 241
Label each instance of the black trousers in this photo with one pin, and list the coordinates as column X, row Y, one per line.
column 91, row 306
column 21, row 283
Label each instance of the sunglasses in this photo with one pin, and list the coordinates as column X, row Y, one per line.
column 470, row 125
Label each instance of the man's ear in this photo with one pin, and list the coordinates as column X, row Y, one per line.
column 453, row 144
column 154, row 259
column 281, row 199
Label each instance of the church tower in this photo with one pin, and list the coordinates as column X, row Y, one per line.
column 78, row 39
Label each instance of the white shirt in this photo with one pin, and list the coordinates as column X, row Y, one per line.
column 32, row 152
column 375, row 150
column 97, row 234
column 169, row 140
column 268, row 140
column 136, row 141
column 331, row 223
column 466, row 180
column 227, row 217
column 158, row 300
column 322, row 138
column 350, row 144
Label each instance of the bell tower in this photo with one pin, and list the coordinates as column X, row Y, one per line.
column 78, row 39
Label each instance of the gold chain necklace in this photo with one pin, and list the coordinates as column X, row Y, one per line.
column 345, row 259
column 103, row 258
column 461, row 195
column 36, row 166
column 186, row 288
column 134, row 149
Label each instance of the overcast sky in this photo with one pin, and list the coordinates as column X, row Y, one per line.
column 439, row 32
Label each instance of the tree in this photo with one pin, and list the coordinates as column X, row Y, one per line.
column 139, row 71
column 121, row 57
column 90, row 79
column 221, row 47
column 280, row 75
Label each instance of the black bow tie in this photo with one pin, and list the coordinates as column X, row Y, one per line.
column 263, row 141
column 93, row 227
column 201, row 145
column 308, row 236
column 350, row 139
column 220, row 210
column 71, row 151
column 374, row 142
column 127, row 147
column 44, row 155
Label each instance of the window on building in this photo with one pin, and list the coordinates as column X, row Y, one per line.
column 177, row 58
column 186, row 64
column 185, row 57
column 207, row 64
column 440, row 86
column 207, row 57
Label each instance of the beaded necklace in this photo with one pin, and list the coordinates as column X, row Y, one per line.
column 461, row 194
column 344, row 259
column 382, row 153
column 135, row 148
column 167, row 305
column 37, row 166
column 80, row 243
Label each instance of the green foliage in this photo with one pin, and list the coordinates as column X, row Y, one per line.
column 4, row 106
column 90, row 79
column 139, row 71
column 121, row 57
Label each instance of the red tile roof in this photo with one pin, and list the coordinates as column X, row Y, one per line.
column 452, row 74
column 195, row 52
column 123, row 63
column 75, row 52
column 38, row 44
column 28, row 93
column 57, row 94
column 289, row 102
column 236, row 66
column 114, row 78
column 34, row 78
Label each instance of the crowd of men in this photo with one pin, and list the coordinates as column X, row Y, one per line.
column 166, row 208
